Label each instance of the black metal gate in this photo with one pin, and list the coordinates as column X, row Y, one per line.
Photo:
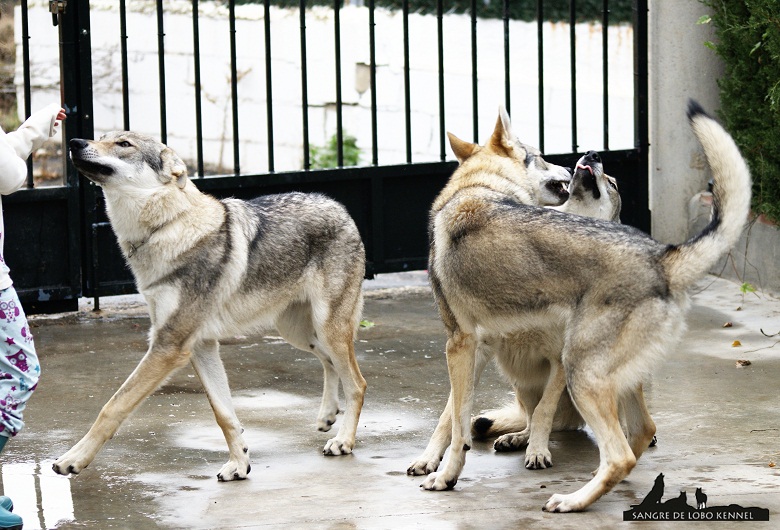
column 59, row 243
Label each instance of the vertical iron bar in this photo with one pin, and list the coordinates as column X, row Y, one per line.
column 605, row 70
column 337, row 52
column 234, row 86
column 83, row 206
column 507, row 96
column 198, row 109
column 26, row 74
column 161, row 63
column 123, row 52
column 641, row 138
column 442, row 128
column 540, row 67
column 372, row 54
column 269, row 85
column 304, row 88
column 407, row 85
column 573, row 59
column 474, row 79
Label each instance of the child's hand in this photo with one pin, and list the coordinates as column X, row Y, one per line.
column 56, row 121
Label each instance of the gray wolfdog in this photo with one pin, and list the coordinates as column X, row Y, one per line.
column 529, row 357
column 499, row 265
column 212, row 268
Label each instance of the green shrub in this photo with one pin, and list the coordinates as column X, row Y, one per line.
column 749, row 42
column 327, row 155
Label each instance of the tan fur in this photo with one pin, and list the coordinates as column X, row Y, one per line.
column 529, row 359
column 620, row 297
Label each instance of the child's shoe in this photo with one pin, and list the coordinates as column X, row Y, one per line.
column 8, row 520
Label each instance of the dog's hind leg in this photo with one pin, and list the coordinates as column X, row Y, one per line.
column 334, row 325
column 336, row 340
column 166, row 354
column 538, row 456
column 429, row 460
column 207, row 364
column 640, row 427
column 296, row 327
column 597, row 402
column 461, row 347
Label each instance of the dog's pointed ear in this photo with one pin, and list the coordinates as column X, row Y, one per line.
column 503, row 139
column 462, row 149
column 174, row 166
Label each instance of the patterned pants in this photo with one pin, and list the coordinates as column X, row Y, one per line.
column 19, row 368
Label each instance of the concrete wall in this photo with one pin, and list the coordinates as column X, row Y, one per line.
column 681, row 67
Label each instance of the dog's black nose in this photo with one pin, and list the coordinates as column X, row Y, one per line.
column 77, row 144
column 593, row 155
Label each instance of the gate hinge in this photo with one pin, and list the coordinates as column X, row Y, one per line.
column 57, row 7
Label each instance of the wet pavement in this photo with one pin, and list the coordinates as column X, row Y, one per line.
column 718, row 429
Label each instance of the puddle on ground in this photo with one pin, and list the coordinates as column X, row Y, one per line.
column 41, row 497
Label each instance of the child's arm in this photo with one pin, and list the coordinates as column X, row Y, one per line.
column 13, row 170
column 35, row 130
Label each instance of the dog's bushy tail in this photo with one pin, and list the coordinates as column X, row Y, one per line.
column 499, row 421
column 686, row 263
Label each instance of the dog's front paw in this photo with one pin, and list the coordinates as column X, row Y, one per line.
column 562, row 504
column 539, row 459
column 65, row 466
column 74, row 461
column 337, row 447
column 438, row 482
column 324, row 425
column 423, row 466
column 511, row 442
column 234, row 470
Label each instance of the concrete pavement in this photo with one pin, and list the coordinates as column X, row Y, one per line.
column 718, row 428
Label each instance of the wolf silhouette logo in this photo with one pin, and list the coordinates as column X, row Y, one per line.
column 652, row 508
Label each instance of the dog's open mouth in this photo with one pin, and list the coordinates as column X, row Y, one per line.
column 558, row 187
column 583, row 166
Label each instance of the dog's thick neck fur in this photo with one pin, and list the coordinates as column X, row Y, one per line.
column 479, row 167
column 140, row 219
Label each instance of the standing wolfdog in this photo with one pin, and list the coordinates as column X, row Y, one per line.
column 499, row 266
column 530, row 358
column 212, row 268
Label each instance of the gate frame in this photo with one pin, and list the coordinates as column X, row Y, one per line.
column 370, row 193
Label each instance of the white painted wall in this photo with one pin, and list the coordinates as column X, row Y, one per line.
column 681, row 67
column 285, row 48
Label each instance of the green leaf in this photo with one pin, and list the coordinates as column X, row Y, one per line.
column 366, row 324
column 704, row 19
column 747, row 288
column 756, row 47
column 710, row 45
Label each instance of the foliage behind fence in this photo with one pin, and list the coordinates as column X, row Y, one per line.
column 749, row 43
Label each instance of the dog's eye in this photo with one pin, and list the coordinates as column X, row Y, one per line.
column 529, row 157
column 124, row 143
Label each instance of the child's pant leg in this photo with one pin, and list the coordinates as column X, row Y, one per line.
column 19, row 368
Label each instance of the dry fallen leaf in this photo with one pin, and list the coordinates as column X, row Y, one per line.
column 736, row 343
column 772, row 464
column 743, row 362
column 727, row 325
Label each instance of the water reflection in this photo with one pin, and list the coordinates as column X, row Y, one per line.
column 41, row 497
